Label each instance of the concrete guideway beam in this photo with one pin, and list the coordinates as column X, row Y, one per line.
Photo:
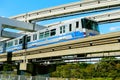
column 68, row 9
column 101, row 48
column 113, row 50
column 7, row 34
column 19, row 25
column 93, row 49
column 113, row 16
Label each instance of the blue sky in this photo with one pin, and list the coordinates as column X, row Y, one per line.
column 14, row 7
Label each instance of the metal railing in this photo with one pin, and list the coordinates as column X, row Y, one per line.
column 22, row 77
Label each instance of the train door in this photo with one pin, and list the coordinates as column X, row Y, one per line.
column 78, row 29
column 77, row 25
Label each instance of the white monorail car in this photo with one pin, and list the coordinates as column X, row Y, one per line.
column 64, row 31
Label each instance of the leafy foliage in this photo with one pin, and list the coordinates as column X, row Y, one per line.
column 106, row 68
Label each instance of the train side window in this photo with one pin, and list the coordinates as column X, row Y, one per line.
column 34, row 36
column 70, row 27
column 77, row 24
column 62, row 29
column 28, row 38
column 16, row 42
column 47, row 34
column 41, row 35
column 53, row 32
column 1, row 46
column 10, row 44
column 86, row 24
column 20, row 41
column 6, row 44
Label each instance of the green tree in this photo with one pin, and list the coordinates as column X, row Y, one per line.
column 90, row 71
column 7, row 67
column 118, row 69
column 108, row 67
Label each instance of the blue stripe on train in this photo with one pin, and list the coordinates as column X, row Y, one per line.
column 10, row 49
column 75, row 35
column 52, row 43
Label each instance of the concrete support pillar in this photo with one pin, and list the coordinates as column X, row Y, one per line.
column 9, row 57
column 34, row 70
column 19, row 72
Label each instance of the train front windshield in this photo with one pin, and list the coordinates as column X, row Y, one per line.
column 89, row 24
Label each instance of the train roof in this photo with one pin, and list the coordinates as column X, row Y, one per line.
column 65, row 21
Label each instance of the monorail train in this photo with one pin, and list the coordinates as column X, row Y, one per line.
column 64, row 31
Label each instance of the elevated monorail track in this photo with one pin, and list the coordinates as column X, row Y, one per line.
column 94, row 46
column 68, row 9
column 113, row 16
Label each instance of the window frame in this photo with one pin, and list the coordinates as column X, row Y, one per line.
column 47, row 34
column 16, row 42
column 10, row 43
column 41, row 35
column 34, row 36
column 62, row 29
column 20, row 41
column 77, row 24
column 52, row 32
column 70, row 27
column 28, row 38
